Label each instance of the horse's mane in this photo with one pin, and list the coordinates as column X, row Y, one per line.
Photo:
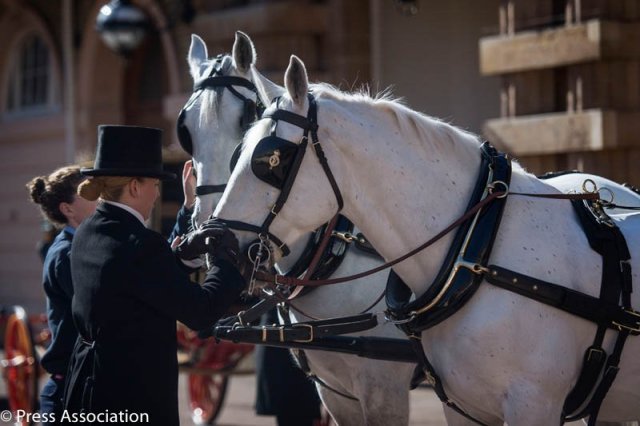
column 411, row 123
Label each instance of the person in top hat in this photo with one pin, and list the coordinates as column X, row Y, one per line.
column 130, row 288
column 56, row 195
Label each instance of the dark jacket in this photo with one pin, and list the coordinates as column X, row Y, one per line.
column 183, row 223
column 56, row 279
column 129, row 292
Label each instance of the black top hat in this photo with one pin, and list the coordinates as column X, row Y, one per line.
column 128, row 151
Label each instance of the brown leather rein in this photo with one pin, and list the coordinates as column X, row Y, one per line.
column 277, row 279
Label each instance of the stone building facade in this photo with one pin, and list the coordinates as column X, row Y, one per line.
column 58, row 81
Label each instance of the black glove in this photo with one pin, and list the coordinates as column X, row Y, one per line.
column 195, row 243
column 212, row 237
column 224, row 246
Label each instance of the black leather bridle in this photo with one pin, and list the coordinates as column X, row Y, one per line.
column 284, row 182
column 252, row 110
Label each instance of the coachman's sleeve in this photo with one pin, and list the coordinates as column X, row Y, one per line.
column 161, row 282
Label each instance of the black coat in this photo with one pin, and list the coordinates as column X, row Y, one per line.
column 56, row 279
column 129, row 292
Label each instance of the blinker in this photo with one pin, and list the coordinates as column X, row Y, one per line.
column 234, row 157
column 184, row 137
column 272, row 159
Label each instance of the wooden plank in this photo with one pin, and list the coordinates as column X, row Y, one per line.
column 533, row 92
column 624, row 10
column 561, row 132
column 607, row 84
column 529, row 14
column 530, row 50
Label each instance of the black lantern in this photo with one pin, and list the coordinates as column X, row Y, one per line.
column 407, row 7
column 122, row 26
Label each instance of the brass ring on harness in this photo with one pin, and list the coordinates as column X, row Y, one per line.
column 612, row 195
column 492, row 187
column 585, row 186
column 257, row 260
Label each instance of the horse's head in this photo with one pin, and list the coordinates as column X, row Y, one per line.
column 279, row 189
column 227, row 98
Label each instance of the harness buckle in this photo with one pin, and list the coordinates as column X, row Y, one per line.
column 632, row 329
column 411, row 317
column 310, row 327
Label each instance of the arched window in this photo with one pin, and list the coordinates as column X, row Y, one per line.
column 30, row 77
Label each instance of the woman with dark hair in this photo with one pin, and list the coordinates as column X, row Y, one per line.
column 56, row 196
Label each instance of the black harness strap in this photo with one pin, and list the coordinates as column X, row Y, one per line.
column 310, row 125
column 606, row 239
column 456, row 281
column 323, row 160
column 303, row 362
column 217, row 80
column 576, row 303
column 242, row 226
column 302, row 332
column 210, row 189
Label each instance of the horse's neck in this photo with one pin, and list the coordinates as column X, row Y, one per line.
column 427, row 184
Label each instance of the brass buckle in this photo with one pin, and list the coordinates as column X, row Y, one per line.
column 310, row 327
column 629, row 328
column 266, row 329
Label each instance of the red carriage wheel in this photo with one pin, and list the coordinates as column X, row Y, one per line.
column 206, row 396
column 21, row 365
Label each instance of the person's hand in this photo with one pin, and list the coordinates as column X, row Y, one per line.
column 225, row 245
column 212, row 237
column 195, row 243
column 176, row 242
column 189, row 184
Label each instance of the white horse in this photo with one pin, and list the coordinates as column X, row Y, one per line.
column 381, row 387
column 404, row 177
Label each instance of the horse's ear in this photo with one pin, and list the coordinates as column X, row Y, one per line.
column 296, row 80
column 197, row 55
column 244, row 53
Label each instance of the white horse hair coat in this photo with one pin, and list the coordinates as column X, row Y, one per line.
column 382, row 387
column 404, row 177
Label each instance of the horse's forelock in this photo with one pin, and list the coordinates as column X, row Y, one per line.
column 208, row 107
column 209, row 98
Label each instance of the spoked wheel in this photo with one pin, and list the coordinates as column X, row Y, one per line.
column 206, row 396
column 208, row 386
column 20, row 365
